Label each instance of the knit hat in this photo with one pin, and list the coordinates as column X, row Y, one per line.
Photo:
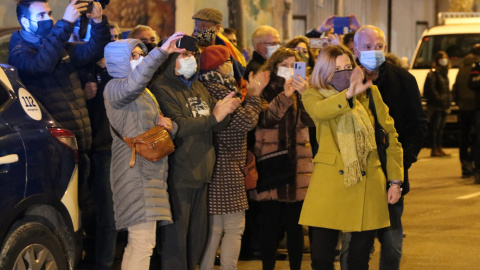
column 213, row 56
column 209, row 14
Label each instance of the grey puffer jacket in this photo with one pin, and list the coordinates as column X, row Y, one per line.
column 139, row 193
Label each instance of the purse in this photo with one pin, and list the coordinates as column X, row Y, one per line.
column 250, row 171
column 153, row 145
column 380, row 135
column 275, row 169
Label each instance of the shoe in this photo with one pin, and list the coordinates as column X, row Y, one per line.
column 436, row 152
column 444, row 153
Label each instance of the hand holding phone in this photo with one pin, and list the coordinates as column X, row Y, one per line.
column 300, row 68
column 341, row 25
column 188, row 43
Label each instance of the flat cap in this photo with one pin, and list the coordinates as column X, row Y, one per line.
column 209, row 14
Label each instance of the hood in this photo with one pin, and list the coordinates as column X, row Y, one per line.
column 168, row 67
column 117, row 56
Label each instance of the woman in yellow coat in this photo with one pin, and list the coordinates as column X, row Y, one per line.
column 348, row 189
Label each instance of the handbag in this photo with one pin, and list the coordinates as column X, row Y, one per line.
column 380, row 135
column 275, row 169
column 154, row 144
column 250, row 171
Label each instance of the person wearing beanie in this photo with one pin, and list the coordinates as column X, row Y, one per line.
column 227, row 198
column 208, row 22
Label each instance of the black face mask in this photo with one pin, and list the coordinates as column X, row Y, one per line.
column 43, row 27
column 341, row 79
column 150, row 46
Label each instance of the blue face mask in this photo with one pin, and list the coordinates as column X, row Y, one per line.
column 43, row 27
column 371, row 60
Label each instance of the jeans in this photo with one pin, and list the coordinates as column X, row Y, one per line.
column 106, row 234
column 323, row 246
column 437, row 124
column 141, row 241
column 275, row 217
column 231, row 227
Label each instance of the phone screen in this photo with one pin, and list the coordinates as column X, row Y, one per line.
column 300, row 69
column 341, row 25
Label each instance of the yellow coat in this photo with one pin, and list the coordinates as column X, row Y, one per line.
column 329, row 204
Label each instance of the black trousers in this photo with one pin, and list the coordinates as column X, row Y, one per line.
column 323, row 246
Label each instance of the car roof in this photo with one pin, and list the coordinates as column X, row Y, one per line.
column 452, row 29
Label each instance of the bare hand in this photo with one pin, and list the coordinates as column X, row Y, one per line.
column 394, row 194
column 165, row 122
column 170, row 45
column 96, row 14
column 288, row 88
column 72, row 12
column 354, row 24
column 256, row 83
column 334, row 39
column 90, row 90
column 356, row 83
column 299, row 84
column 327, row 24
column 225, row 106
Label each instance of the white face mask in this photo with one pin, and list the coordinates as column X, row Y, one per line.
column 371, row 60
column 188, row 66
column 285, row 72
column 271, row 50
column 443, row 62
column 134, row 63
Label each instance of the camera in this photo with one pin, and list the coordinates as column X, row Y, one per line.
column 89, row 7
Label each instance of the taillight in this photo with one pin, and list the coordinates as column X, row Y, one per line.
column 67, row 138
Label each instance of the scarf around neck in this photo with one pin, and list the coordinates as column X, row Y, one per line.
column 356, row 139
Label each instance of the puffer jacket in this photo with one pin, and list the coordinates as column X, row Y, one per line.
column 437, row 90
column 48, row 68
column 190, row 105
column 139, row 193
column 284, row 122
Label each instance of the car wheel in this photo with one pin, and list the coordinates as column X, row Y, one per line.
column 32, row 246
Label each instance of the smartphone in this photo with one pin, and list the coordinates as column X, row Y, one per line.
column 89, row 7
column 341, row 25
column 319, row 43
column 300, row 69
column 188, row 43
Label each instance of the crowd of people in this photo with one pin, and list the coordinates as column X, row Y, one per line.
column 323, row 129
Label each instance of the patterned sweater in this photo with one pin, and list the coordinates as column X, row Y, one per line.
column 226, row 191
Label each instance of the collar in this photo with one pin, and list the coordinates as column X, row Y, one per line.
column 257, row 57
column 30, row 37
column 187, row 82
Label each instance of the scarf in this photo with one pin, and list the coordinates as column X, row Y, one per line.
column 216, row 77
column 356, row 138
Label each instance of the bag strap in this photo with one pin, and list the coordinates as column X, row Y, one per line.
column 116, row 133
column 371, row 105
column 132, row 157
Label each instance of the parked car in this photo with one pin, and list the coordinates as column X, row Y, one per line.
column 456, row 35
column 39, row 216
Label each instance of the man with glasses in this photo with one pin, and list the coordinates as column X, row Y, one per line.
column 265, row 40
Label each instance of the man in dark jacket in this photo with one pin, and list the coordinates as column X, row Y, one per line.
column 47, row 64
column 400, row 92
column 265, row 41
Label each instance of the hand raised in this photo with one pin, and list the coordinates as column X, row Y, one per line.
column 225, row 106
column 96, row 14
column 288, row 88
column 170, row 44
column 256, row 83
column 326, row 25
column 299, row 84
column 356, row 83
column 72, row 12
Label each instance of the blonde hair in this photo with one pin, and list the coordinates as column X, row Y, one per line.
column 140, row 28
column 260, row 34
column 326, row 63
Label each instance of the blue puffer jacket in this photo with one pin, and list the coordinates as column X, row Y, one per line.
column 48, row 68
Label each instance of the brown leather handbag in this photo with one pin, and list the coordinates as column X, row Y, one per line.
column 153, row 145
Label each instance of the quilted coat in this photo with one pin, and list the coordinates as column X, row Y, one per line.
column 139, row 193
column 329, row 204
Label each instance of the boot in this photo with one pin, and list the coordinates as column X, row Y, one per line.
column 477, row 178
column 436, row 152
column 444, row 153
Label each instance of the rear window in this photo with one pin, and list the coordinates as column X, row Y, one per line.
column 456, row 46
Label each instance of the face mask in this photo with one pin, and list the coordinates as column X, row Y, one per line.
column 285, row 72
column 43, row 27
column 150, row 46
column 134, row 63
column 188, row 67
column 341, row 79
column 371, row 60
column 271, row 50
column 443, row 62
column 204, row 36
column 226, row 69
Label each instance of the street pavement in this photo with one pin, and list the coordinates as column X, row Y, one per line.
column 441, row 220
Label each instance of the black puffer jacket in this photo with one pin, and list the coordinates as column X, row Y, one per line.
column 48, row 68
column 436, row 89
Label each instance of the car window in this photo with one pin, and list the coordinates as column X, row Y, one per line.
column 4, row 95
column 4, row 42
column 456, row 46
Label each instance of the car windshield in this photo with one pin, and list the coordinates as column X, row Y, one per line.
column 456, row 46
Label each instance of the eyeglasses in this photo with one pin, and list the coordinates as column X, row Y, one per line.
column 301, row 50
column 136, row 55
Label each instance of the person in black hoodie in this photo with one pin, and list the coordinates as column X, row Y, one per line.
column 186, row 101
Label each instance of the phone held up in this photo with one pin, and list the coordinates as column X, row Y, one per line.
column 300, row 68
column 89, row 6
column 341, row 25
column 188, row 43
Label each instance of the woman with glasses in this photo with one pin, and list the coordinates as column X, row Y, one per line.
column 348, row 188
column 139, row 192
column 282, row 125
column 301, row 46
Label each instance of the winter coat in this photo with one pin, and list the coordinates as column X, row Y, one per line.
column 139, row 193
column 48, row 68
column 329, row 204
column 254, row 65
column 190, row 105
column 437, row 90
column 226, row 191
column 463, row 96
column 283, row 122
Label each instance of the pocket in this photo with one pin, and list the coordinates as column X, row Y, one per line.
column 325, row 158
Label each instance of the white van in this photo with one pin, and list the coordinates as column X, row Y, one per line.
column 456, row 35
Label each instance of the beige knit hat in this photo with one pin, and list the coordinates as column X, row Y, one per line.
column 209, row 14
